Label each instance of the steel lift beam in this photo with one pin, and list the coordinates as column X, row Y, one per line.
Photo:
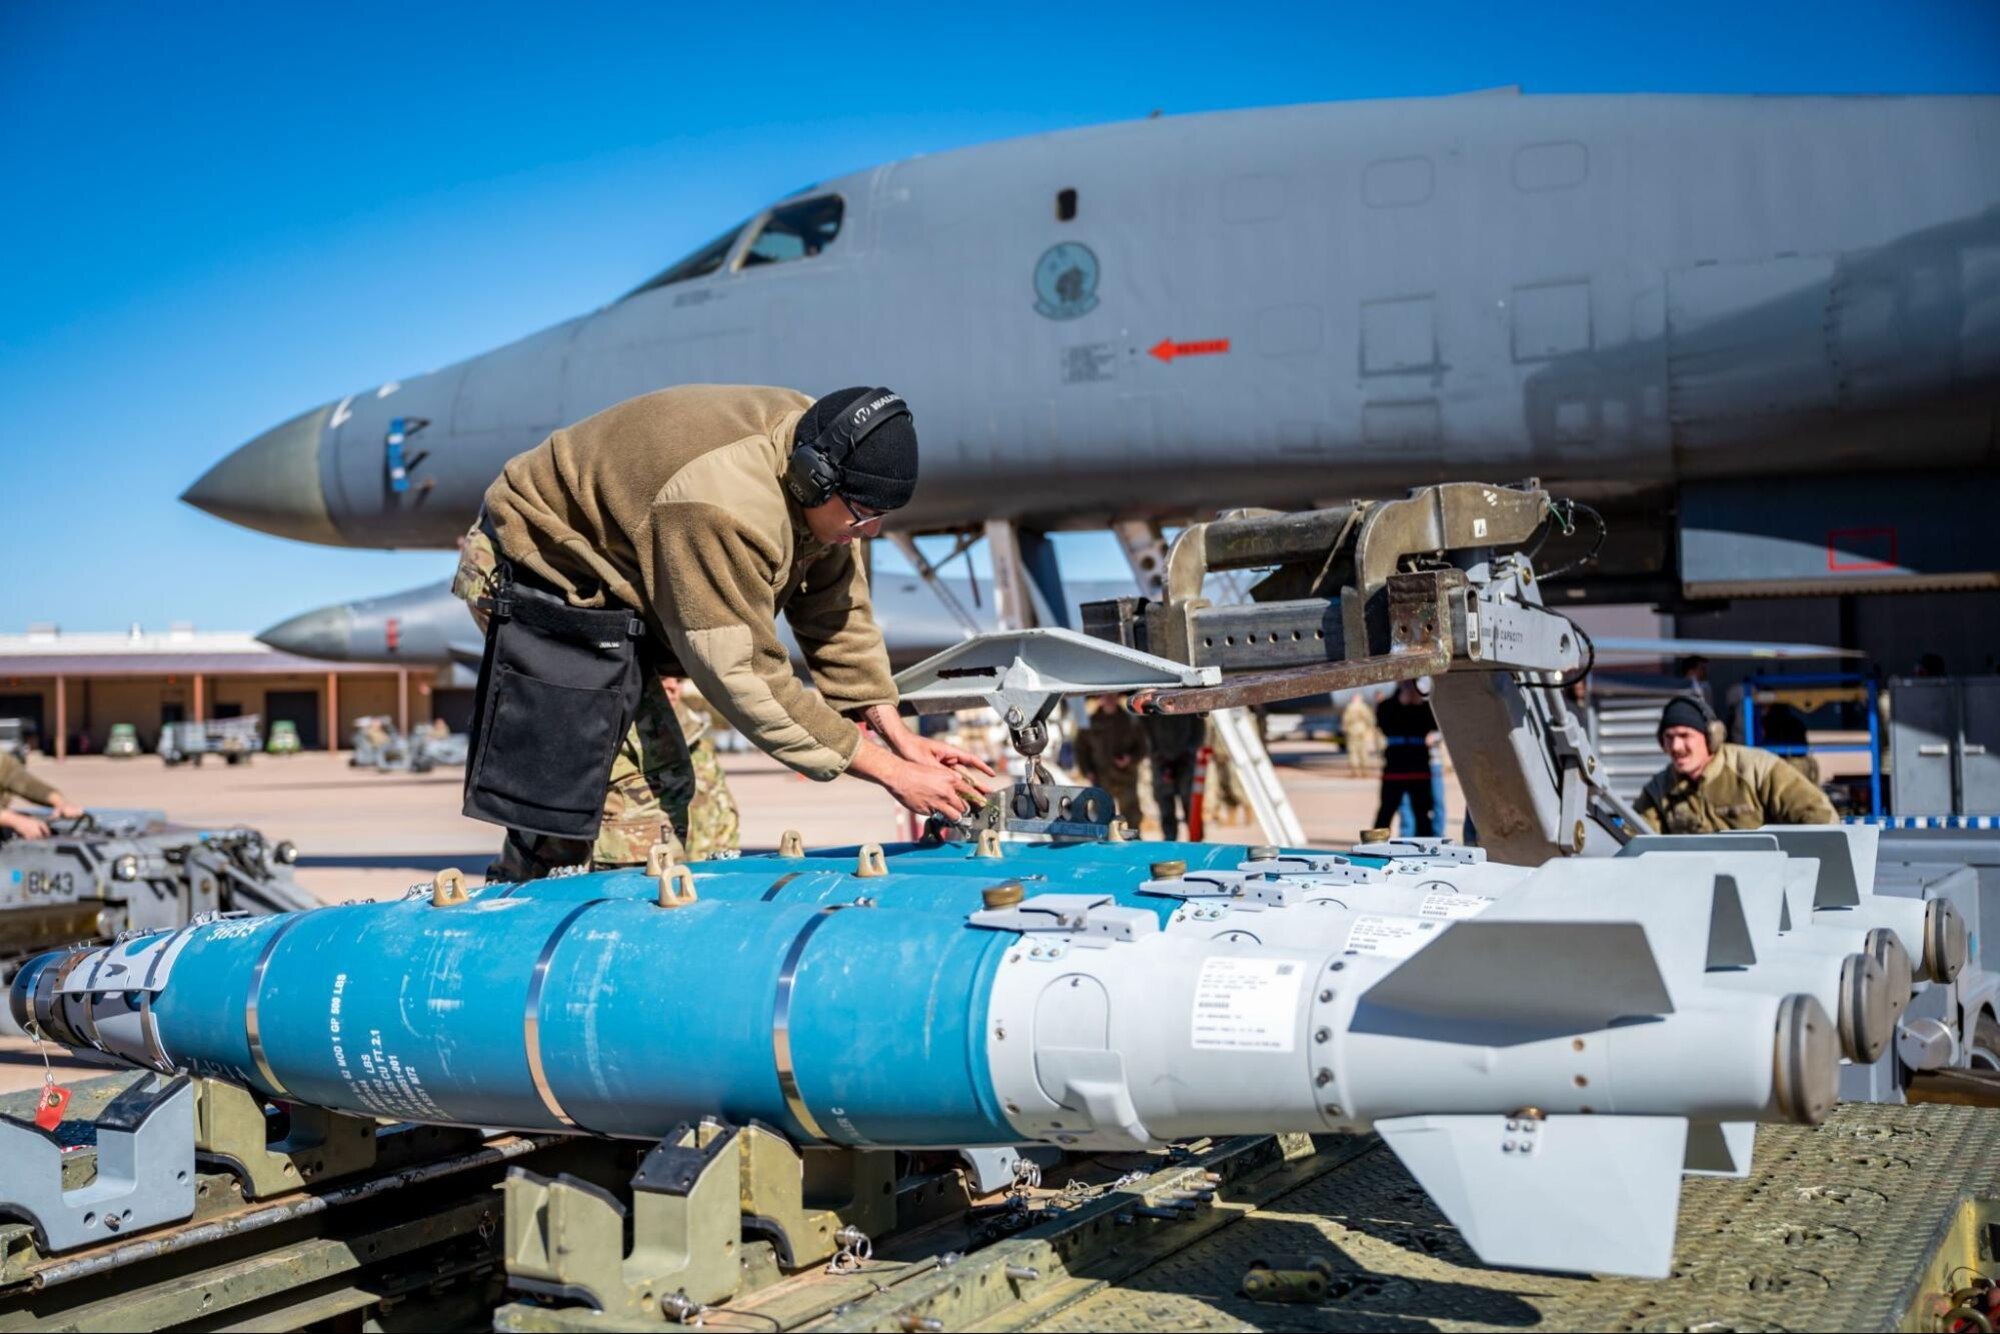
column 1438, row 584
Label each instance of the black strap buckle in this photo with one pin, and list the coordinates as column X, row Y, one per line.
column 502, row 580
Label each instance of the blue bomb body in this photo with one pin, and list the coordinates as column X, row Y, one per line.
column 642, row 1018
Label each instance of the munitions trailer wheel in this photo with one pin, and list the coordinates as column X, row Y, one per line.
column 1985, row 1045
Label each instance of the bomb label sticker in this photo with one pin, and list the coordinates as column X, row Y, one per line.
column 1246, row 1004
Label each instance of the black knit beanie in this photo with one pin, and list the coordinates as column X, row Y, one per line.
column 880, row 473
column 1685, row 711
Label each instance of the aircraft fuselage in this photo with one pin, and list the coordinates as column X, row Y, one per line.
column 1621, row 295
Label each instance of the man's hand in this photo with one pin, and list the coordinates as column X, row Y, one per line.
column 898, row 737
column 27, row 826
column 925, row 787
column 940, row 789
column 64, row 808
column 924, row 749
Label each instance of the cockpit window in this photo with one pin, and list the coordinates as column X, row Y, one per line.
column 796, row 231
column 698, row 265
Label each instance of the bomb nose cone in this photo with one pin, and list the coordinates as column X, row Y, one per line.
column 272, row 483
column 324, row 633
column 21, row 995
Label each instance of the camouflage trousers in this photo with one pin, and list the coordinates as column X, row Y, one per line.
column 1361, row 745
column 1223, row 790
column 653, row 778
column 712, row 824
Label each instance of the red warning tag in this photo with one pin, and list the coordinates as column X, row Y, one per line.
column 55, row 1100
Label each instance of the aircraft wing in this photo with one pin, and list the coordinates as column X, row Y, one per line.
column 1620, row 646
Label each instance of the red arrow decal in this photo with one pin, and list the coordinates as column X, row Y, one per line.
column 1167, row 349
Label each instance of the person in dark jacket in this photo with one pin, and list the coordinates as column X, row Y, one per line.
column 1174, row 744
column 1408, row 729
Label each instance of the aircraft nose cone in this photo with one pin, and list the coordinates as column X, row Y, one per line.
column 272, row 483
column 325, row 633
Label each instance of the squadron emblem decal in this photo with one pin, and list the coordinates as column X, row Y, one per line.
column 1066, row 281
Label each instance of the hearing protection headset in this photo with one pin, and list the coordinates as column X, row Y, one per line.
column 812, row 475
column 1718, row 730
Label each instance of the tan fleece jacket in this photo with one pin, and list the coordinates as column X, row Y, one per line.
column 671, row 503
column 16, row 781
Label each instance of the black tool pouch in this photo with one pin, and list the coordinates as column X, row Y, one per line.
column 558, row 688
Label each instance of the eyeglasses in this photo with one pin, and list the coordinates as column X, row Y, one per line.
column 862, row 517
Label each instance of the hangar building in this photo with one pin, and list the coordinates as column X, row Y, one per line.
column 70, row 688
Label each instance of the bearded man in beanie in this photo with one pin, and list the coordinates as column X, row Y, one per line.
column 663, row 537
column 1711, row 785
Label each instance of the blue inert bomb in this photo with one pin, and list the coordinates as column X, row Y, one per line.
column 1101, row 1010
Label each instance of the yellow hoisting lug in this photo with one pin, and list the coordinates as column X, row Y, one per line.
column 449, row 888
column 676, row 881
column 989, row 843
column 676, row 886
column 791, row 843
column 870, row 863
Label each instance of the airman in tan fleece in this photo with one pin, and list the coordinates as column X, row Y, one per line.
column 1710, row 785
column 673, row 504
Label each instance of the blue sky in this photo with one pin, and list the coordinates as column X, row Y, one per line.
column 217, row 214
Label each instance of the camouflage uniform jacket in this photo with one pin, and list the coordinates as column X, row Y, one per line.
column 1741, row 788
column 16, row 781
column 672, row 503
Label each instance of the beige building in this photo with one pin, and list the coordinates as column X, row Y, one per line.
column 71, row 688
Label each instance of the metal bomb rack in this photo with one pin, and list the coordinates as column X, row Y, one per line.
column 1438, row 584
column 1024, row 676
column 180, row 1170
